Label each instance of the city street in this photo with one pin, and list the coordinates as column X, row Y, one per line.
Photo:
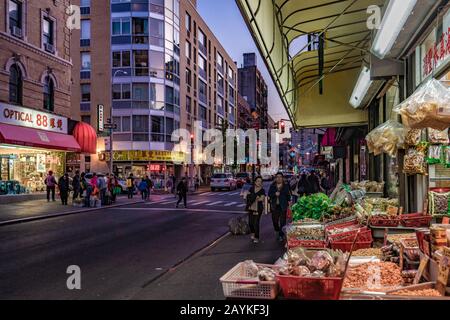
column 121, row 251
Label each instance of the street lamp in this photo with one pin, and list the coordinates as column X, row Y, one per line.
column 111, row 129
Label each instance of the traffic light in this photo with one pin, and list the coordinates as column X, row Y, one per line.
column 282, row 127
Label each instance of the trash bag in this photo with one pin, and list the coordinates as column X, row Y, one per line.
column 239, row 226
column 428, row 107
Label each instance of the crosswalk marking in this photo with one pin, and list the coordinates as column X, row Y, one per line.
column 241, row 205
column 168, row 202
column 230, row 204
column 198, row 203
column 234, row 193
column 214, row 203
column 206, row 193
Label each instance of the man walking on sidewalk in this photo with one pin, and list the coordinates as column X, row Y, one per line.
column 76, row 185
column 130, row 186
column 182, row 190
column 280, row 196
column 64, row 186
column 50, row 183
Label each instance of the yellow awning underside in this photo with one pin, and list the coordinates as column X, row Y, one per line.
column 275, row 24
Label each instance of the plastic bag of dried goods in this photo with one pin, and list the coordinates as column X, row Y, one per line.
column 434, row 154
column 428, row 107
column 386, row 138
column 414, row 162
column 413, row 137
column 437, row 136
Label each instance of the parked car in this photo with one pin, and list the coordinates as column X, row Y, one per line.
column 242, row 178
column 223, row 181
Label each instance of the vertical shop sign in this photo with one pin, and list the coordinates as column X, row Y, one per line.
column 40, row 162
column 101, row 118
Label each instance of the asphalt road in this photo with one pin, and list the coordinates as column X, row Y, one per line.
column 119, row 251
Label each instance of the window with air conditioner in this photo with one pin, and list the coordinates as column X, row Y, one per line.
column 48, row 34
column 15, row 14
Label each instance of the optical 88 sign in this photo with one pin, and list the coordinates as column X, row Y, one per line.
column 30, row 118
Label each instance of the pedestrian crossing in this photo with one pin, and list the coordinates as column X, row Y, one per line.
column 221, row 193
column 207, row 203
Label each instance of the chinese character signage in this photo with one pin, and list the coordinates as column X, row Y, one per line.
column 145, row 156
column 31, row 118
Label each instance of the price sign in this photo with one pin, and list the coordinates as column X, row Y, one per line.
column 442, row 280
column 423, row 264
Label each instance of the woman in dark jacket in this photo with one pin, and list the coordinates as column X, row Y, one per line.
column 64, row 187
column 302, row 185
column 279, row 196
column 255, row 206
column 313, row 184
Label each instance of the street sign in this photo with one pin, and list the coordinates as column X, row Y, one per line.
column 110, row 126
column 101, row 117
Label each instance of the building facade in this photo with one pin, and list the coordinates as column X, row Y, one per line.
column 245, row 119
column 253, row 88
column 158, row 69
column 36, row 115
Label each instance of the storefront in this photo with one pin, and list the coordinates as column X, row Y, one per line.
column 32, row 143
column 159, row 165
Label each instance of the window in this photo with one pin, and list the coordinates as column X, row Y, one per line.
column 203, row 113
column 85, row 61
column 140, row 92
column 140, row 58
column 201, row 38
column 48, row 34
column 157, row 64
column 121, row 91
column 49, row 94
column 86, row 29
column 157, row 124
column 86, row 119
column 188, row 104
column 219, row 60
column 157, row 32
column 85, row 6
column 188, row 49
column 157, row 6
column 157, row 96
column 15, row 85
column 202, row 63
column 121, row 59
column 15, row 18
column 220, row 84
column 202, row 91
column 230, row 73
column 126, row 124
column 85, row 93
column 188, row 22
column 188, row 77
column 121, row 26
column 140, row 26
column 140, row 128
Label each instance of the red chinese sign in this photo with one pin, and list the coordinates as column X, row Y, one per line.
column 437, row 54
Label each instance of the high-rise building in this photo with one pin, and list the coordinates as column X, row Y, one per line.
column 36, row 116
column 160, row 68
column 253, row 88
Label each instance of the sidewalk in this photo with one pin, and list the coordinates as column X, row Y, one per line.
column 198, row 277
column 41, row 209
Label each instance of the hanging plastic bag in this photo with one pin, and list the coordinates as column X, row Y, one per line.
column 428, row 107
column 414, row 162
column 386, row 138
column 413, row 137
column 434, row 154
column 446, row 156
column 437, row 136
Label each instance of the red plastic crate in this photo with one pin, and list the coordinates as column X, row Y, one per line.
column 349, row 234
column 347, row 246
column 383, row 222
column 415, row 220
column 341, row 225
column 309, row 288
column 362, row 236
column 293, row 243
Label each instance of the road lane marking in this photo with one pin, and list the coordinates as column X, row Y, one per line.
column 177, row 209
column 230, row 204
column 198, row 203
column 205, row 194
column 214, row 203
column 234, row 193
column 241, row 205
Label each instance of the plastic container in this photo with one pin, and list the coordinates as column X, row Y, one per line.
column 349, row 234
column 309, row 288
column 347, row 246
column 362, row 236
column 236, row 283
column 411, row 252
column 415, row 220
column 383, row 222
column 331, row 226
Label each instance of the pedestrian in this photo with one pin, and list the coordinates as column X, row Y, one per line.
column 150, row 185
column 313, row 184
column 182, row 189
column 302, row 185
column 255, row 206
column 87, row 190
column 113, row 188
column 280, row 196
column 143, row 188
column 197, row 183
column 76, row 186
column 293, row 185
column 174, row 183
column 50, row 183
column 64, row 186
column 324, row 183
column 130, row 186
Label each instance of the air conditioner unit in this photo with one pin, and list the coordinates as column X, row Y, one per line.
column 17, row 32
column 49, row 47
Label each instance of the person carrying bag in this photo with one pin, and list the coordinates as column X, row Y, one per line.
column 256, row 200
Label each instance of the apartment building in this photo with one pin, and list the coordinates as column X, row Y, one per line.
column 245, row 120
column 253, row 88
column 37, row 121
column 158, row 67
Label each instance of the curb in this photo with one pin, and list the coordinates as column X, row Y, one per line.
column 56, row 215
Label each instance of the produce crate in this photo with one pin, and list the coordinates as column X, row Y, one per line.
column 383, row 222
column 236, row 283
column 309, row 288
column 415, row 220
column 362, row 236
column 347, row 246
column 341, row 223
column 295, row 243
column 412, row 252
column 330, row 227
column 361, row 232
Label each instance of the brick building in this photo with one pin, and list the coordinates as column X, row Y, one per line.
column 245, row 120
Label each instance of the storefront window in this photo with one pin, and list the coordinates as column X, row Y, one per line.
column 23, row 170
